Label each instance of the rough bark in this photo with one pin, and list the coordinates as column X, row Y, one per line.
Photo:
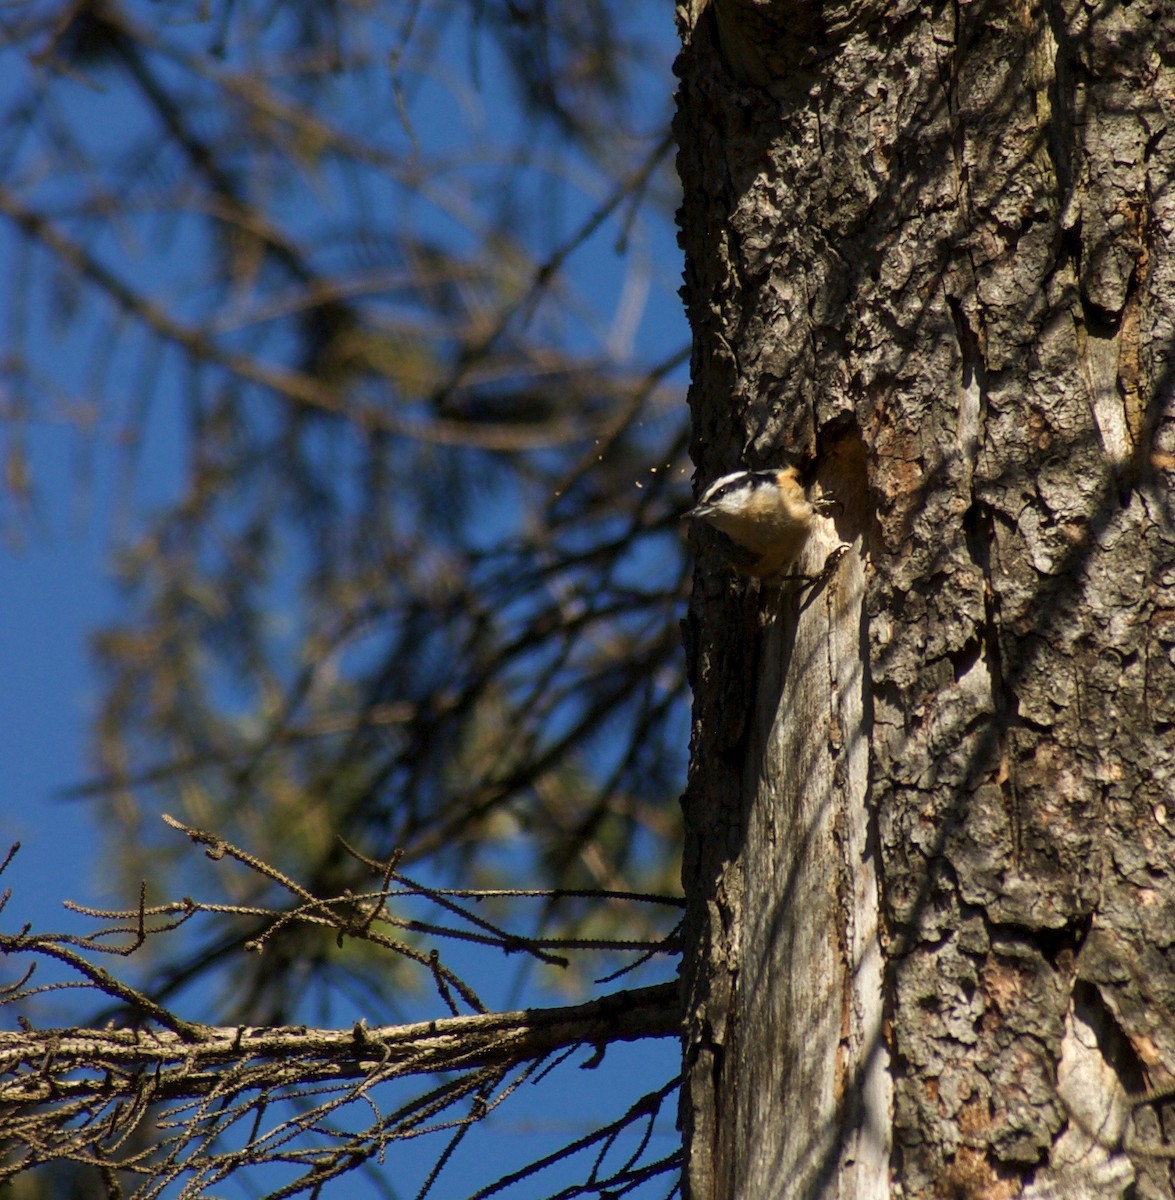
column 931, row 254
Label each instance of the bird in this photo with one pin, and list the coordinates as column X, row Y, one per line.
column 765, row 517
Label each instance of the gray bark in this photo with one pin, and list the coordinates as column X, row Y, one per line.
column 930, row 942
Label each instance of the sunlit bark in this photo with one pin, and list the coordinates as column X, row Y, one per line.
column 931, row 256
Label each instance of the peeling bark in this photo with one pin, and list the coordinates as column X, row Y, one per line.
column 930, row 254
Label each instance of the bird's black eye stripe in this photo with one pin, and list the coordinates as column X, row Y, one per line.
column 738, row 484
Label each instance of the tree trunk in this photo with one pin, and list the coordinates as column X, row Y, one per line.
column 930, row 942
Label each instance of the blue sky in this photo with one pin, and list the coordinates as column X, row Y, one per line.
column 87, row 487
column 85, row 493
column 57, row 587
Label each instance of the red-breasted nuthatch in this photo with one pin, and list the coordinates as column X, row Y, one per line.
column 766, row 518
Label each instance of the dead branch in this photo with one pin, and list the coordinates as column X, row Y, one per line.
column 158, row 1064
column 168, row 1101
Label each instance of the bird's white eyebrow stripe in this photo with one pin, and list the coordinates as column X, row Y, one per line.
column 723, row 486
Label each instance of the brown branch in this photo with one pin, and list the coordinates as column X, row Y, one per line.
column 166, row 1066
